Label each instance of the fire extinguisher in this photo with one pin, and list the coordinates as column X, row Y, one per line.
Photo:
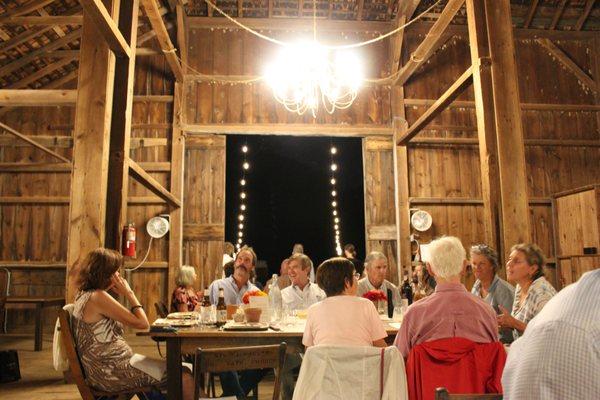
column 128, row 241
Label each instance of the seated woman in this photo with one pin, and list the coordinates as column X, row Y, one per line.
column 185, row 298
column 98, row 321
column 423, row 284
column 342, row 318
column 533, row 291
column 488, row 286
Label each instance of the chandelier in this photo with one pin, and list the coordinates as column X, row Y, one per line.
column 308, row 73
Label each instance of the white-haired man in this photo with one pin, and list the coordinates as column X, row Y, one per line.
column 376, row 266
column 450, row 311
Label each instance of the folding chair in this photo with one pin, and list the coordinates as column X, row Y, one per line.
column 442, row 394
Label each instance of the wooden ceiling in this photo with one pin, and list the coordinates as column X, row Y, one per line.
column 36, row 54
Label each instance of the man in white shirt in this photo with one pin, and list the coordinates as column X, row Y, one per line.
column 376, row 267
column 558, row 356
column 301, row 294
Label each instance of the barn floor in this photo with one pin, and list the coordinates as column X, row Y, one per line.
column 40, row 381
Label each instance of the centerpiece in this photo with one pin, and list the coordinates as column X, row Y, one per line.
column 252, row 313
column 379, row 299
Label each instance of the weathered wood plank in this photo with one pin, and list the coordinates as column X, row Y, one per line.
column 38, row 97
column 32, row 142
column 152, row 184
column 106, row 26
column 571, row 65
column 291, row 129
column 43, row 20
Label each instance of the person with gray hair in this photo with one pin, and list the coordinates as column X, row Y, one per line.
column 185, row 298
column 376, row 268
column 451, row 311
column 488, row 286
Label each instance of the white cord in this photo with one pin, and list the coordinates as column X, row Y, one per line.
column 145, row 257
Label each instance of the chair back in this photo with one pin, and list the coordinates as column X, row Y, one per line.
column 239, row 359
column 75, row 367
column 161, row 309
column 442, row 394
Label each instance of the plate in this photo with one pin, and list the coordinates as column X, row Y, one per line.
column 244, row 326
column 182, row 323
column 183, row 315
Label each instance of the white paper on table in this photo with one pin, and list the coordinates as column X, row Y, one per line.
column 262, row 302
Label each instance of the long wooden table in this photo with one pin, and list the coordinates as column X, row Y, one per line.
column 38, row 304
column 187, row 340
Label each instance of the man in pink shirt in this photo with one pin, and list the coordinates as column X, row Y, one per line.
column 450, row 311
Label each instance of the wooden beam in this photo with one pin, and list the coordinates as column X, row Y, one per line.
column 486, row 124
column 147, row 51
column 106, row 26
column 152, row 184
column 43, row 20
column 32, row 142
column 27, row 7
column 205, row 232
column 291, row 24
column 48, row 69
column 530, row 13
column 440, row 105
column 430, row 44
column 571, row 65
column 291, row 129
column 446, row 141
column 51, row 168
column 91, row 140
column 467, row 201
column 515, row 226
column 182, row 36
column 29, row 57
column 151, row 8
column 524, row 106
column 177, row 182
column 558, row 14
column 120, row 128
column 585, row 14
column 40, row 97
column 34, row 200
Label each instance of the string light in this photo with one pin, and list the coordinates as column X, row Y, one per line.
column 245, row 167
column 334, row 204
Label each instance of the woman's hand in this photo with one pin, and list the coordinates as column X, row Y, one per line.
column 119, row 285
column 505, row 320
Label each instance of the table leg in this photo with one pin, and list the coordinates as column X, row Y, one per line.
column 174, row 368
column 38, row 327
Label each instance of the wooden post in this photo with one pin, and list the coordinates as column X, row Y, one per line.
column 177, row 174
column 515, row 226
column 90, row 148
column 120, row 131
column 486, row 128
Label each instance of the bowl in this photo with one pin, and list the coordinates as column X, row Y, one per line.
column 253, row 314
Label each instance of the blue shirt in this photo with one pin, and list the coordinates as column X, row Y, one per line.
column 500, row 293
column 233, row 295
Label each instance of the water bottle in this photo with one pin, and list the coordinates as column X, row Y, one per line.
column 275, row 299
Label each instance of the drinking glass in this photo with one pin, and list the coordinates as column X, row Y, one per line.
column 398, row 314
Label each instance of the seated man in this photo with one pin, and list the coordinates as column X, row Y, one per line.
column 558, row 356
column 299, row 296
column 233, row 383
column 450, row 311
column 376, row 266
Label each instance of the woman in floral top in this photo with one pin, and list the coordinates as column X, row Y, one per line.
column 533, row 291
column 185, row 298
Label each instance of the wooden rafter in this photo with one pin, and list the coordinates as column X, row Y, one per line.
column 571, row 65
column 530, row 13
column 404, row 13
column 106, row 26
column 27, row 8
column 48, row 69
column 559, row 10
column 292, row 24
column 431, row 43
column 152, row 10
column 13, row 66
column 137, row 172
column 290, row 129
column 359, row 12
column 585, row 14
column 33, row 142
column 30, row 97
column 440, row 105
column 43, row 20
column 57, row 29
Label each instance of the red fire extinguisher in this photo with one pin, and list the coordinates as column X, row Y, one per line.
column 128, row 241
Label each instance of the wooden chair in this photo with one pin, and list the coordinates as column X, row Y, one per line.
column 442, row 394
column 161, row 309
column 239, row 359
column 76, row 373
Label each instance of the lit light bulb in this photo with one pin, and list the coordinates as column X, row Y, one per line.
column 243, row 182
column 241, row 217
column 336, row 220
column 240, row 234
column 332, row 181
column 243, row 195
column 333, row 167
column 336, row 226
column 334, row 203
column 334, row 212
column 333, row 193
column 243, row 207
column 333, row 150
column 246, row 165
column 241, row 226
column 244, row 149
column 239, row 241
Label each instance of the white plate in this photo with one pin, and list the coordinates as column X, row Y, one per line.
column 183, row 315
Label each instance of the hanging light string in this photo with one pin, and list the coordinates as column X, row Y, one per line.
column 243, row 197
column 335, row 215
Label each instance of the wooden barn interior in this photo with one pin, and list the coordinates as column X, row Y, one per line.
column 484, row 113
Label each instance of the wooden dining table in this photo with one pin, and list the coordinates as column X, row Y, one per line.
column 37, row 303
column 187, row 340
